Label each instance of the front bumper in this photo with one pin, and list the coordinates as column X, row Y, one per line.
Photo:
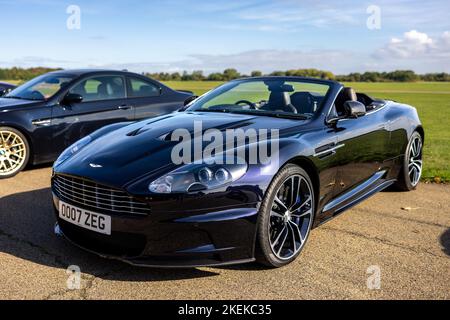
column 211, row 237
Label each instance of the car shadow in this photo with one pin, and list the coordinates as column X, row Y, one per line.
column 31, row 167
column 445, row 242
column 26, row 232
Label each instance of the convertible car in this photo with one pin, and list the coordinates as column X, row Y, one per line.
column 41, row 118
column 119, row 193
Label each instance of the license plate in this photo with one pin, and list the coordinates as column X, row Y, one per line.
column 86, row 219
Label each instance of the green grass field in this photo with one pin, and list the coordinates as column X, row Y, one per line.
column 432, row 100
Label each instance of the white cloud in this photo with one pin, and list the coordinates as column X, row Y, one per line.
column 305, row 13
column 414, row 50
column 35, row 61
column 263, row 60
column 415, row 44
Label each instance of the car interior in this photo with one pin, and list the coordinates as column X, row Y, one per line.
column 147, row 91
column 106, row 89
column 349, row 94
column 284, row 98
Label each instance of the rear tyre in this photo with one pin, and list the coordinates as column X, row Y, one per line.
column 14, row 152
column 286, row 217
column 411, row 171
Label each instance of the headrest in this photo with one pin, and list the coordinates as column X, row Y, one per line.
column 349, row 94
column 276, row 86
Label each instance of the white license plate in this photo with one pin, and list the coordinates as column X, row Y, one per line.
column 86, row 219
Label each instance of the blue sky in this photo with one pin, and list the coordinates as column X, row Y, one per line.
column 267, row 35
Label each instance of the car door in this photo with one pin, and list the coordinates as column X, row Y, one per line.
column 104, row 102
column 362, row 143
column 149, row 99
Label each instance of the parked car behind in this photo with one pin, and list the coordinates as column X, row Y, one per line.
column 42, row 117
column 5, row 88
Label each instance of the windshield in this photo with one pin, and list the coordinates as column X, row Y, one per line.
column 265, row 97
column 41, row 88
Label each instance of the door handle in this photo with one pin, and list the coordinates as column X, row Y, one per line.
column 41, row 122
column 124, row 107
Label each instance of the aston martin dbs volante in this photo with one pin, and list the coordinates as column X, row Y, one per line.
column 44, row 116
column 122, row 192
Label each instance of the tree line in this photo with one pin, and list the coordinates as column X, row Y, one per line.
column 231, row 74
column 23, row 74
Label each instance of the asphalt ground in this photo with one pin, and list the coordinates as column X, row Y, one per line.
column 395, row 245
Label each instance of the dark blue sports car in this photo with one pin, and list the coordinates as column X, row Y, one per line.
column 41, row 118
column 200, row 187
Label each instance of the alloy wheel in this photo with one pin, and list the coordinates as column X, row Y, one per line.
column 13, row 153
column 291, row 217
column 415, row 161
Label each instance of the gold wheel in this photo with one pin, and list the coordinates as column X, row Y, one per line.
column 13, row 153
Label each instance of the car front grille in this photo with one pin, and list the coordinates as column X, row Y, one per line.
column 98, row 198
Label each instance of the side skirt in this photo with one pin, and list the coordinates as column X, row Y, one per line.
column 362, row 192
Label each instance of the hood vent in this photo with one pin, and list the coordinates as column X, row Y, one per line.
column 168, row 136
column 137, row 132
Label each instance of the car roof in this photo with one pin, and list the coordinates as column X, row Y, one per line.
column 82, row 72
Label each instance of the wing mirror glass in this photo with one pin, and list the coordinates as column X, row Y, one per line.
column 71, row 98
column 354, row 109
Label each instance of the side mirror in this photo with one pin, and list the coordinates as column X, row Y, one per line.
column 72, row 98
column 189, row 100
column 354, row 109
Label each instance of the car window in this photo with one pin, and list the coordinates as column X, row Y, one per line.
column 140, row 88
column 265, row 96
column 100, row 88
column 251, row 91
column 41, row 88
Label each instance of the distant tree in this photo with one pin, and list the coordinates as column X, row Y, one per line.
column 197, row 76
column 186, row 76
column 230, row 74
column 435, row 77
column 175, row 76
column 215, row 77
column 256, row 73
column 402, row 76
column 278, row 73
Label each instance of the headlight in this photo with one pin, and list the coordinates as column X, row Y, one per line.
column 73, row 149
column 198, row 177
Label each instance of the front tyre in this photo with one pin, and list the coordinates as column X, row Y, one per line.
column 411, row 171
column 14, row 152
column 286, row 217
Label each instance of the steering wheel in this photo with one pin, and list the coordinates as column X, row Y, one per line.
column 250, row 104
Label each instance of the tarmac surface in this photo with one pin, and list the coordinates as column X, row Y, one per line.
column 395, row 245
